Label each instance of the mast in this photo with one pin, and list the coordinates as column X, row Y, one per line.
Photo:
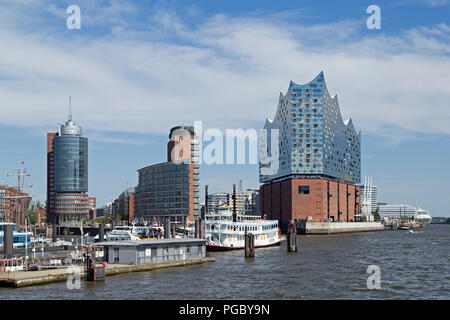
column 70, row 108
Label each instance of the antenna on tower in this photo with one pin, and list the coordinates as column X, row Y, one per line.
column 70, row 108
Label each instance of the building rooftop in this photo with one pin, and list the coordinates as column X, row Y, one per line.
column 143, row 242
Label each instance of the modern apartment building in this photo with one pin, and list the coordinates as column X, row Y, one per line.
column 315, row 163
column 373, row 195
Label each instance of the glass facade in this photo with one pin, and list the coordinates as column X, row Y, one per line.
column 71, row 163
column 373, row 196
column 313, row 138
column 164, row 189
column 68, row 175
column 397, row 211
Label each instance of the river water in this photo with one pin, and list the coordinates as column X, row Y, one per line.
column 412, row 266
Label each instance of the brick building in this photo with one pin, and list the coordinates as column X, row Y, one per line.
column 170, row 189
column 13, row 205
column 310, row 161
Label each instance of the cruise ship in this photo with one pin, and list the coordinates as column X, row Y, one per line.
column 222, row 233
column 421, row 219
column 409, row 216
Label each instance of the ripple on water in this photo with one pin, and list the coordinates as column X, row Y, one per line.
column 326, row 267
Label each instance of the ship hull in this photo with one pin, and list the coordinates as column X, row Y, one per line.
column 214, row 247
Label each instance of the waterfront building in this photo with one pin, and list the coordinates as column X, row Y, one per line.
column 171, row 189
column 219, row 201
column 252, row 206
column 92, row 202
column 13, row 204
column 395, row 211
column 126, row 204
column 153, row 251
column 373, row 195
column 100, row 212
column 67, row 175
column 113, row 208
column 215, row 200
column 318, row 159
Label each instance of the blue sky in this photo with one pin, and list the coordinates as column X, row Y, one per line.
column 137, row 68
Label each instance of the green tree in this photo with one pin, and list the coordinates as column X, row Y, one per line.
column 106, row 219
column 32, row 217
column 448, row 221
column 376, row 215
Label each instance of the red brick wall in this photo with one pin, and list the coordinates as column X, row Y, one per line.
column 286, row 200
column 181, row 149
column 301, row 206
column 50, row 214
column 131, row 207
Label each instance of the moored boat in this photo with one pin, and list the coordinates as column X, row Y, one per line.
column 20, row 239
column 421, row 219
column 225, row 233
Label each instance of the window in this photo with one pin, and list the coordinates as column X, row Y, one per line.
column 116, row 254
column 303, row 189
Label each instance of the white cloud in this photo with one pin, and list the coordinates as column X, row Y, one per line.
column 227, row 71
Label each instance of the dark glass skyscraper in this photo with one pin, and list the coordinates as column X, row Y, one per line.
column 71, row 163
column 67, row 173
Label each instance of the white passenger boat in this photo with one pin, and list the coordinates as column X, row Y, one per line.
column 121, row 233
column 222, row 233
column 422, row 217
column 133, row 232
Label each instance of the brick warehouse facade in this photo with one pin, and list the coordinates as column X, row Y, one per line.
column 320, row 198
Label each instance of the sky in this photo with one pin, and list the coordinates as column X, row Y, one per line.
column 137, row 68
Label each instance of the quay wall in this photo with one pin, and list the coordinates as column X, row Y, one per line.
column 30, row 278
column 337, row 227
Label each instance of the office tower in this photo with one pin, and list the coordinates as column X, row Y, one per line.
column 67, row 175
column 170, row 189
column 126, row 204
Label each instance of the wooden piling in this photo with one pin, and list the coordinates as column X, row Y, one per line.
column 197, row 228
column 101, row 232
column 166, row 228
column 291, row 241
column 249, row 245
column 202, row 229
column 291, row 237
